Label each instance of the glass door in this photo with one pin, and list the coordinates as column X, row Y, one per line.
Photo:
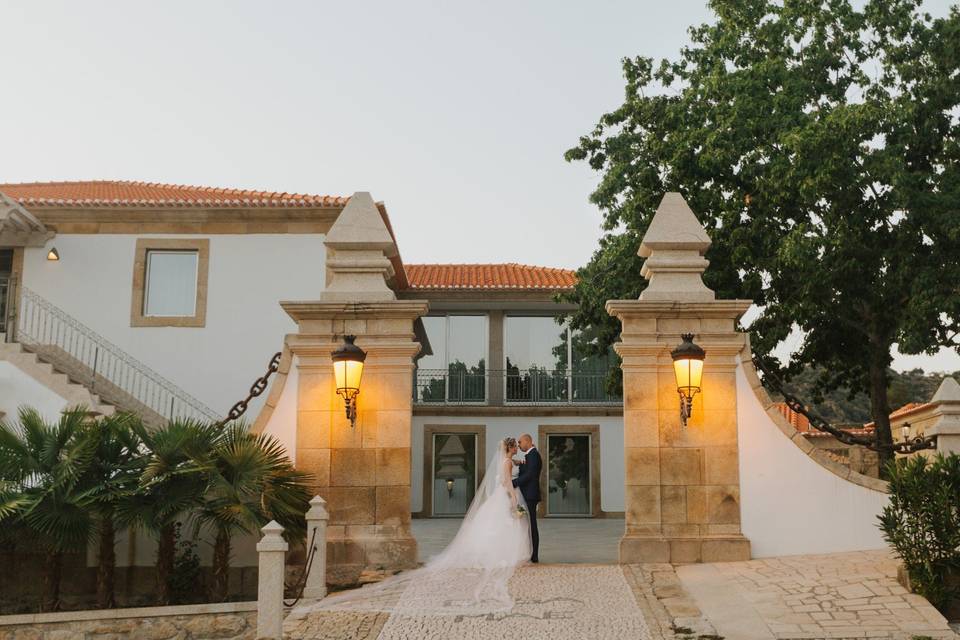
column 454, row 472
column 568, row 475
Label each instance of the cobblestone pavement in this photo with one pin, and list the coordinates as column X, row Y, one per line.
column 844, row 595
column 559, row 602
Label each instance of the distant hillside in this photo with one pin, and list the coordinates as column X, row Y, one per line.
column 839, row 408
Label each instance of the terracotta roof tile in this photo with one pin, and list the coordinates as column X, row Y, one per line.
column 905, row 410
column 802, row 424
column 488, row 276
column 123, row 193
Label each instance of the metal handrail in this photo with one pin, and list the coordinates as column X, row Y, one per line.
column 43, row 325
column 517, row 387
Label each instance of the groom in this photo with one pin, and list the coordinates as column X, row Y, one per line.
column 528, row 481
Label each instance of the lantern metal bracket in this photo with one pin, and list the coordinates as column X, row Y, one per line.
column 350, row 402
column 686, row 408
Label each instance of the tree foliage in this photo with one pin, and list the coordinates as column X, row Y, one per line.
column 818, row 144
column 42, row 490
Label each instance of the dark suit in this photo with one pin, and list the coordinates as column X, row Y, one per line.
column 528, row 481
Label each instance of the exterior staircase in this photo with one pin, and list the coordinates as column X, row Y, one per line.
column 43, row 372
column 86, row 369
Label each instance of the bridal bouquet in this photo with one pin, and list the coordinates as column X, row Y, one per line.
column 520, row 511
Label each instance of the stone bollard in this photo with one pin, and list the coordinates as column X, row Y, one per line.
column 272, row 550
column 317, row 517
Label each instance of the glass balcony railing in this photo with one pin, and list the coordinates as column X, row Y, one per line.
column 531, row 387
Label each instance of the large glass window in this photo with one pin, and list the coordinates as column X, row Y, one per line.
column 536, row 350
column 171, row 284
column 456, row 372
column 547, row 362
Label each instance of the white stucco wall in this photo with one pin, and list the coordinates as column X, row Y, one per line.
column 611, row 448
column 18, row 389
column 789, row 503
column 248, row 276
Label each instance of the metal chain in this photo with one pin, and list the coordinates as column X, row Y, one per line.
column 773, row 382
column 258, row 387
column 307, row 565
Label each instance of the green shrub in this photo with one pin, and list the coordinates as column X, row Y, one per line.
column 922, row 523
column 186, row 579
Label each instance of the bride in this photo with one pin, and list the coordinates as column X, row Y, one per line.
column 470, row 576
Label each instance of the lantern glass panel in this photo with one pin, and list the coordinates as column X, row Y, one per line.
column 347, row 374
column 689, row 373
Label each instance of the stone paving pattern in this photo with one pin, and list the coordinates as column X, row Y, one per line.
column 846, row 595
column 552, row 601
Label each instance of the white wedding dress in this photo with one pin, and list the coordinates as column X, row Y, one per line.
column 471, row 575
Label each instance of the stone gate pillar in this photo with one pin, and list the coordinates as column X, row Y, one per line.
column 362, row 471
column 682, row 483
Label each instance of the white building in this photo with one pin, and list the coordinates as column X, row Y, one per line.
column 165, row 299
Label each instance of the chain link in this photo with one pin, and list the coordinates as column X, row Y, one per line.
column 773, row 382
column 258, row 387
column 302, row 581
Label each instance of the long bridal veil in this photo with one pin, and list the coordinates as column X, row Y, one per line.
column 469, row 577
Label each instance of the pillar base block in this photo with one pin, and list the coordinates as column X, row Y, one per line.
column 636, row 549
column 350, row 557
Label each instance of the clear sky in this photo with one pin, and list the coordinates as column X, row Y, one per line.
column 456, row 114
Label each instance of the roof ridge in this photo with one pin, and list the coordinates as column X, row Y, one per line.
column 170, row 185
column 486, row 264
column 114, row 193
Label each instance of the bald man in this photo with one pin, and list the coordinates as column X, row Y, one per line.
column 528, row 481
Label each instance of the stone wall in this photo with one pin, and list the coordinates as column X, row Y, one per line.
column 21, row 583
column 228, row 621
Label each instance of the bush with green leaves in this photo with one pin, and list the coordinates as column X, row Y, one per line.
column 922, row 523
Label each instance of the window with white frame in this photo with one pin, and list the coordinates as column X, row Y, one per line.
column 171, row 284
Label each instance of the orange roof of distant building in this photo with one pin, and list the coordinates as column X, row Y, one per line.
column 125, row 193
column 798, row 420
column 801, row 423
column 488, row 276
column 905, row 410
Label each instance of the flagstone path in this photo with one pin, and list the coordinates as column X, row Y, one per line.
column 836, row 596
column 842, row 595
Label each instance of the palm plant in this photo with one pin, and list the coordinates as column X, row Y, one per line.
column 42, row 489
column 113, row 477
column 251, row 482
column 172, row 483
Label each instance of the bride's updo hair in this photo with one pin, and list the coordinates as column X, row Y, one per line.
column 509, row 443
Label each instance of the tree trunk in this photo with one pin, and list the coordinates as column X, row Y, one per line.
column 880, row 409
column 52, row 571
column 166, row 553
column 106, row 563
column 221, row 566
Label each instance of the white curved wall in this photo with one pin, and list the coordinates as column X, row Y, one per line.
column 248, row 275
column 790, row 504
column 19, row 389
column 282, row 424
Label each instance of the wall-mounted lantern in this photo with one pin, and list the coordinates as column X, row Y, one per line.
column 905, row 431
column 450, row 483
column 347, row 371
column 53, row 255
column 688, row 368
